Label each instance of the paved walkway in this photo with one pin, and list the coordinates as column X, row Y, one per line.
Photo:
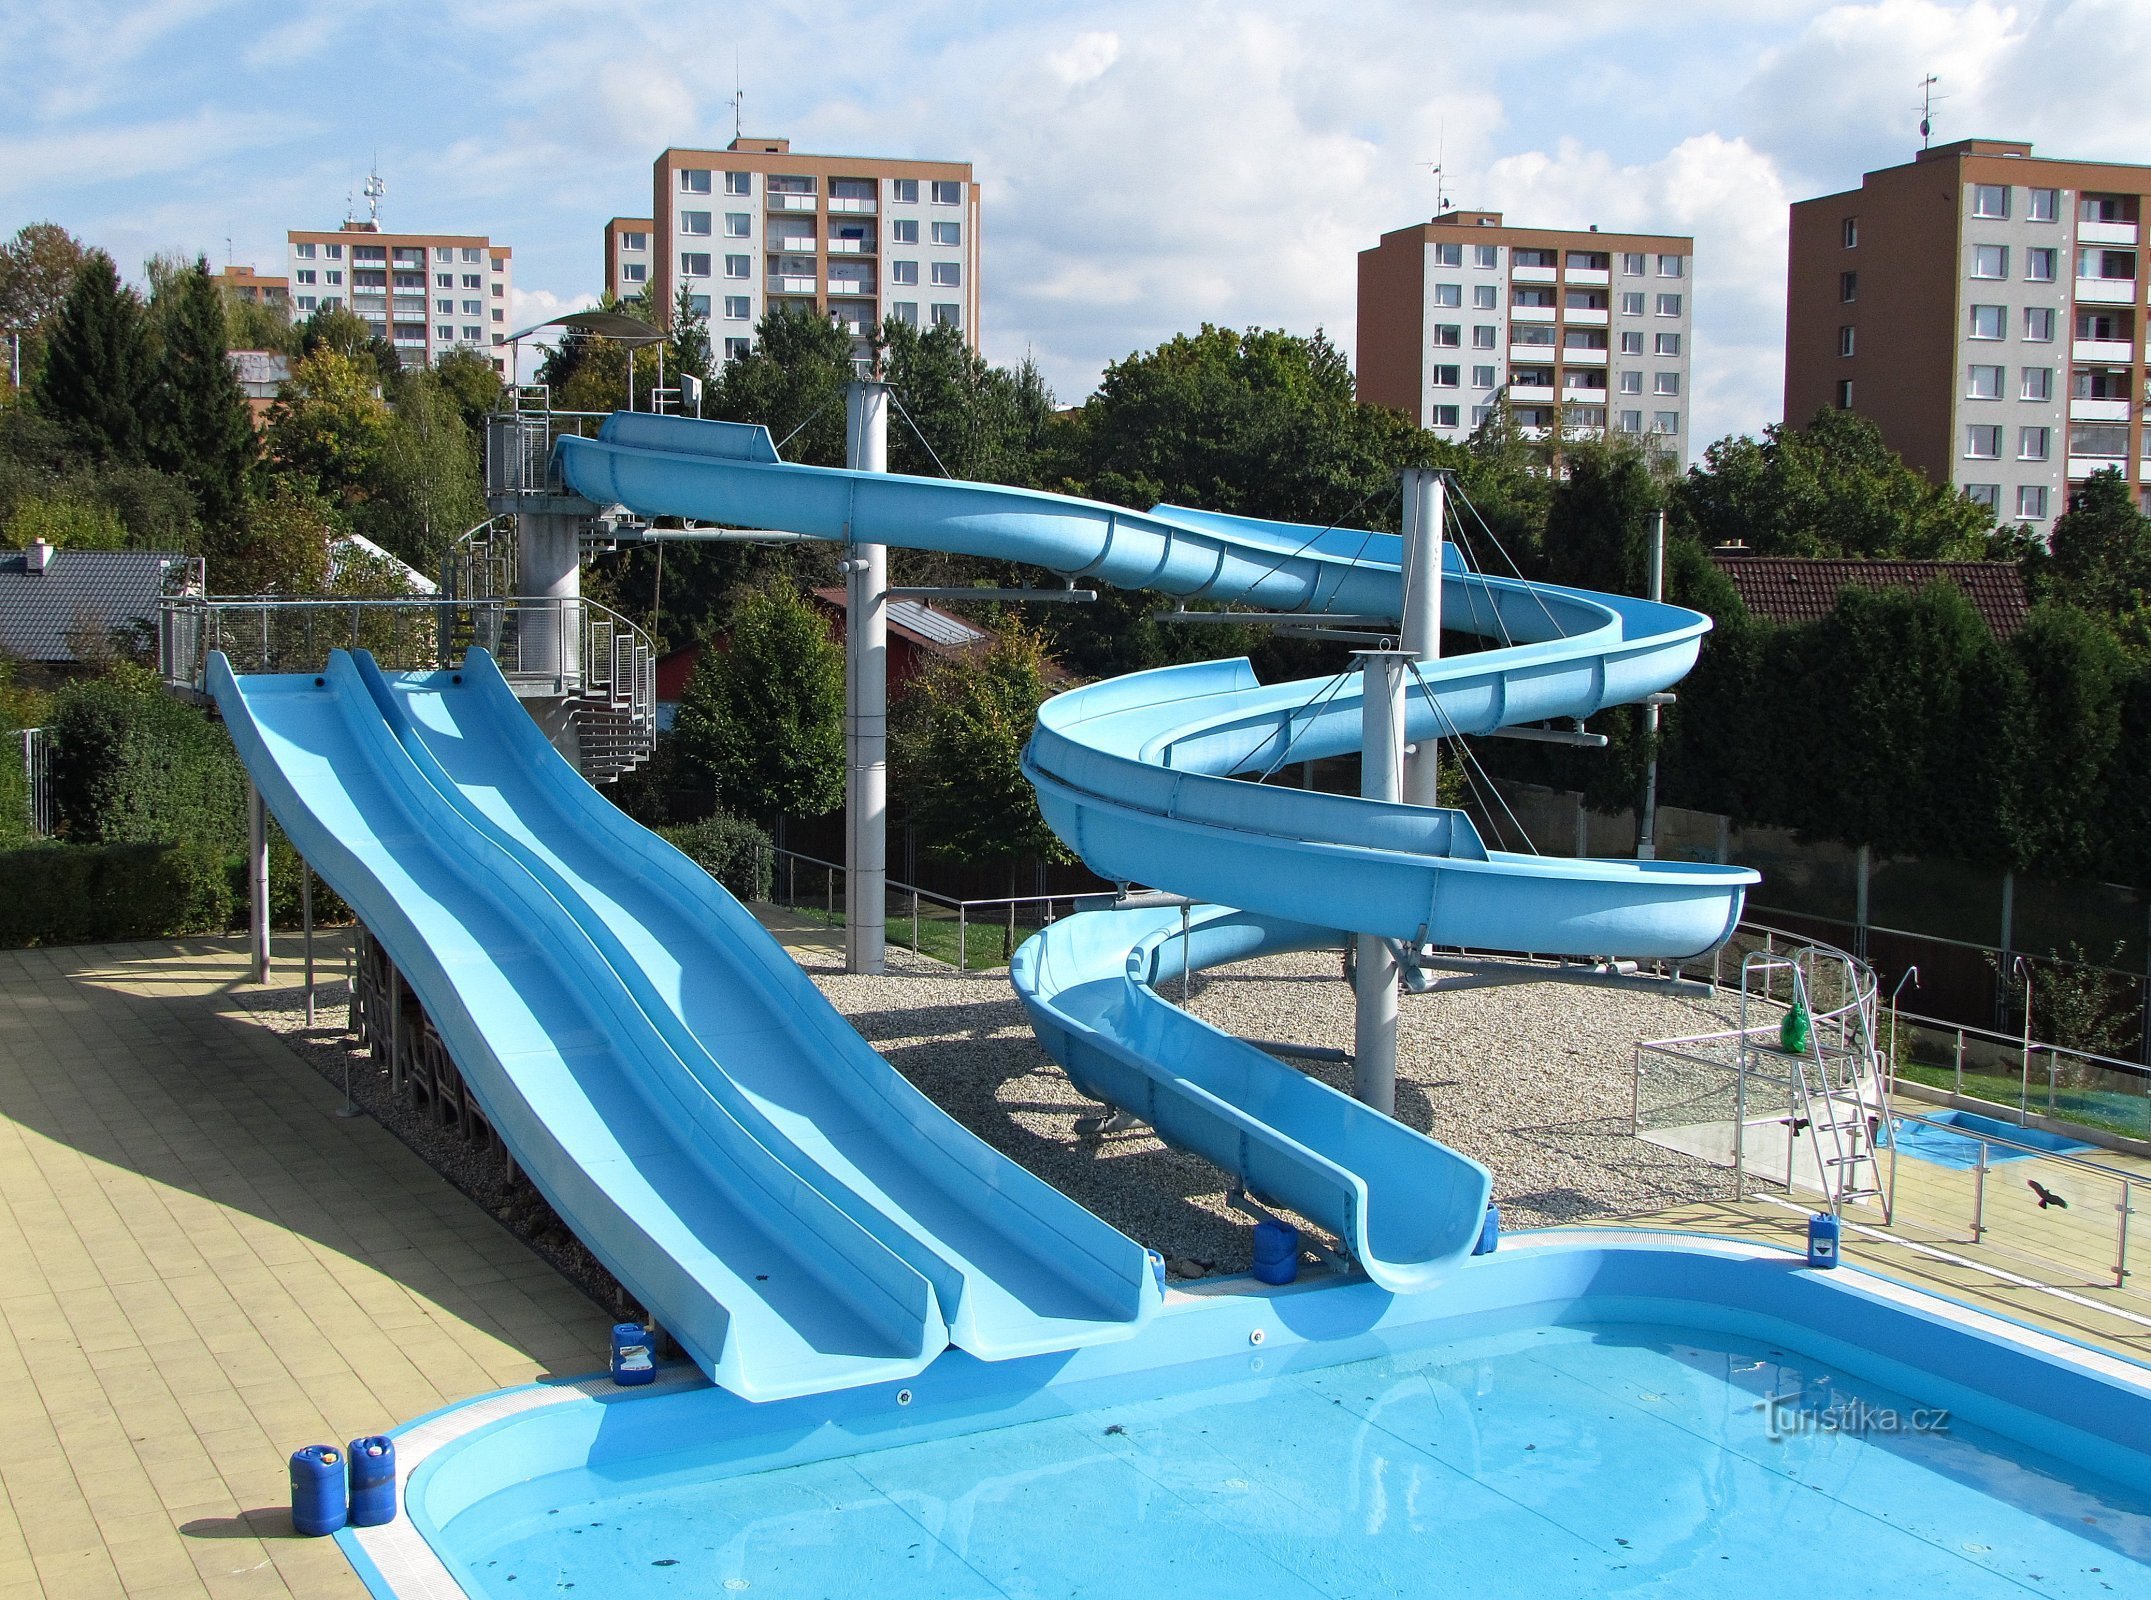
column 202, row 1268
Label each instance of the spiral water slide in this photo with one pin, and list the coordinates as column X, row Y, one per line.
column 1145, row 776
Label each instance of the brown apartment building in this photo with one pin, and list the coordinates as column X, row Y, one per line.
column 1585, row 330
column 758, row 225
column 426, row 293
column 1985, row 307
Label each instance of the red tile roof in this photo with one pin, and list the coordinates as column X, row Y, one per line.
column 1804, row 589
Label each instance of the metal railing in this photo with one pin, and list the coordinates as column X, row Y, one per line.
column 2017, row 1074
column 37, row 779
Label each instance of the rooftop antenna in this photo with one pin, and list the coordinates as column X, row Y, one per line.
column 1927, row 98
column 373, row 191
column 1441, row 197
column 739, row 96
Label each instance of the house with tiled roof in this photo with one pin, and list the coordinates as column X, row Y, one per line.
column 1805, row 589
column 52, row 599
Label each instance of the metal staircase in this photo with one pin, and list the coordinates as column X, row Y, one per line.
column 1837, row 1105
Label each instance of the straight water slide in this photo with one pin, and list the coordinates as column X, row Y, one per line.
column 1144, row 776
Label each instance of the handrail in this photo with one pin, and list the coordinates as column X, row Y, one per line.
column 2118, row 1174
column 2015, row 1042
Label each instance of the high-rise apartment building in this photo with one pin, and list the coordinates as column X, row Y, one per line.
column 757, row 225
column 1986, row 309
column 627, row 256
column 245, row 283
column 1586, row 331
column 426, row 293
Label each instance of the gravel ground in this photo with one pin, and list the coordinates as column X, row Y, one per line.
column 1532, row 1079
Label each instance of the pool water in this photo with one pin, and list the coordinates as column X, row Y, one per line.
column 1543, row 1461
column 1946, row 1148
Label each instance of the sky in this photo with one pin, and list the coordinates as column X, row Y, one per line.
column 1146, row 167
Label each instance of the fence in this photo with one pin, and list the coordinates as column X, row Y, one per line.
column 2020, row 1074
column 37, row 779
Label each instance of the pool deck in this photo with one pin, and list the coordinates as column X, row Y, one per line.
column 203, row 1267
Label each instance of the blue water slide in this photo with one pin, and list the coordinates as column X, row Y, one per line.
column 773, row 1290
column 1018, row 1268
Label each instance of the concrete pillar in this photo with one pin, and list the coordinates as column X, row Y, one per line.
column 1426, row 495
column 257, row 884
column 1381, row 777
column 866, row 701
column 1647, row 813
column 549, row 577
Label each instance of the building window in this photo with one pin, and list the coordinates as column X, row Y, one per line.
column 473, row 335
column 1445, row 416
column 628, row 241
column 2042, row 205
column 472, row 308
column 906, row 312
column 1631, row 305
column 694, row 180
column 1990, row 200
column 446, row 308
column 1849, row 232
column 306, row 275
column 471, row 280
column 1669, row 305
column 2034, row 444
column 738, row 266
column 1665, row 421
column 2031, row 501
column 499, row 289
column 1989, row 322
column 333, row 276
column 1631, row 422
column 1486, row 255
column 1447, row 336
column 366, row 252
column 696, row 223
column 738, row 307
column 499, row 315
column 1632, row 264
column 1484, row 297
column 1448, row 294
column 904, row 231
column 1990, row 261
column 1631, row 344
column 946, row 315
column 1671, row 266
column 737, row 224
column 698, row 305
column 444, row 252
column 471, row 253
column 304, row 251
column 1844, row 394
column 1848, row 286
column 946, row 194
column 2039, row 324
column 694, row 264
column 635, row 272
column 1665, row 383
column 444, row 280
column 1483, row 377
column 739, row 183
column 445, row 334
column 306, row 302
column 1482, row 337
column 1845, row 339
column 1982, row 383
column 1631, row 383
column 1445, row 377
column 1668, row 344
column 947, row 274
column 2038, row 384
column 1983, row 441
column 1984, row 494
column 906, row 191
column 1448, row 255
column 735, row 349
column 2107, row 441
column 948, row 233
column 334, row 252
column 2039, row 265
column 903, row 272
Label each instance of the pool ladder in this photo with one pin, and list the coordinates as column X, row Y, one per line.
column 1837, row 1096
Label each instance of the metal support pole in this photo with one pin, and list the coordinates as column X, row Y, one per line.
column 866, row 702
column 306, row 924
column 1863, row 870
column 1647, row 815
column 1381, row 777
column 1426, row 499
column 257, row 884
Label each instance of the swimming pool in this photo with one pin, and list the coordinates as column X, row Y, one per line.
column 1587, row 1416
column 1957, row 1144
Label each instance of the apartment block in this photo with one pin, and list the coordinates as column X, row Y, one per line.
column 426, row 293
column 1986, row 308
column 244, row 283
column 627, row 256
column 758, row 225
column 1587, row 332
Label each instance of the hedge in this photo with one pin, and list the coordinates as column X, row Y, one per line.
column 132, row 765
column 98, row 894
column 730, row 849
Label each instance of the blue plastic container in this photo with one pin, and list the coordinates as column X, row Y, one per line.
column 373, row 1481
column 1822, row 1235
column 317, row 1490
column 1157, row 1268
column 1489, row 1232
column 1277, row 1252
column 632, row 1362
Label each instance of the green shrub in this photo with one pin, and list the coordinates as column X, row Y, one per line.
column 284, row 906
column 730, row 849
column 131, row 765
column 96, row 894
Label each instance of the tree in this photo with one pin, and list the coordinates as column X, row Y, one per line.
column 957, row 739
column 200, row 426
column 985, row 423
column 1597, row 519
column 346, row 333
column 2075, row 674
column 421, row 485
column 473, row 383
column 791, row 382
column 63, row 521
column 258, row 325
column 763, row 718
column 2101, row 550
column 688, row 353
column 97, row 363
column 37, row 267
column 280, row 545
column 329, row 421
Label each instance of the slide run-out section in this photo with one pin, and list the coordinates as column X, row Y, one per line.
column 1144, row 776
column 677, row 1114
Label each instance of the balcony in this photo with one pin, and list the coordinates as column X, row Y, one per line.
column 852, row 206
column 2098, row 411
column 1536, row 314
column 2119, row 352
column 2106, row 291
column 2106, row 233
column 1583, row 358
column 1580, row 317
column 1589, row 276
column 791, row 202
column 781, row 283
column 852, row 286
column 1531, row 274
column 1531, row 393
column 850, row 247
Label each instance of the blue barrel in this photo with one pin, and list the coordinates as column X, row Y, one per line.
column 1157, row 1268
column 1489, row 1232
column 1277, row 1252
column 631, row 1359
column 1822, row 1241
column 317, row 1490
column 373, row 1481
